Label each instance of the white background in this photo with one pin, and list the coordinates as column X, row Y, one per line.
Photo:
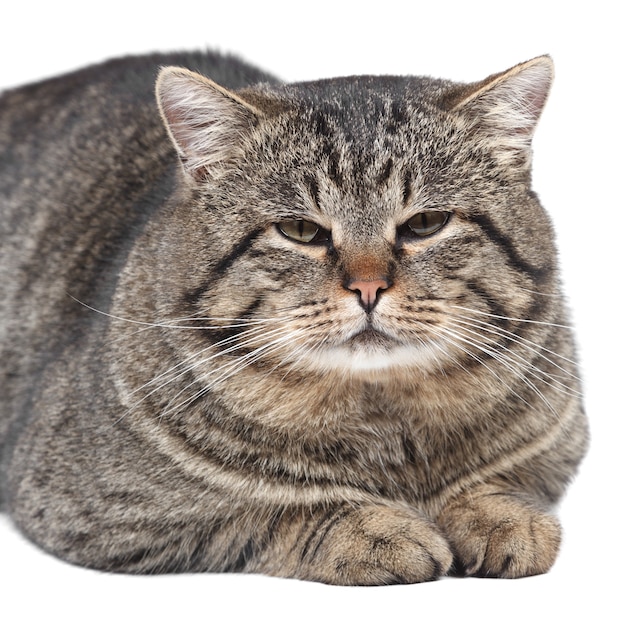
column 579, row 176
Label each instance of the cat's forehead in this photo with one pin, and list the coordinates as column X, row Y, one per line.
column 361, row 106
column 354, row 150
column 360, row 139
column 357, row 124
column 344, row 92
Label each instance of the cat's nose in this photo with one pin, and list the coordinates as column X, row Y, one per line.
column 368, row 291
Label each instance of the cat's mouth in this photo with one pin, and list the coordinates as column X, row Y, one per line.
column 370, row 351
column 371, row 338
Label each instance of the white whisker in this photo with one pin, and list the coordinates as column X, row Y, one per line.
column 511, row 319
column 446, row 337
column 505, row 362
column 191, row 362
column 174, row 323
column 247, row 333
column 516, row 338
column 462, row 324
column 233, row 367
column 518, row 360
column 541, row 293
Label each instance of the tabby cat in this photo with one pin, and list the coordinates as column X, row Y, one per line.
column 310, row 330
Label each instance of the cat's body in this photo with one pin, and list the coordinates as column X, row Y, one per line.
column 306, row 352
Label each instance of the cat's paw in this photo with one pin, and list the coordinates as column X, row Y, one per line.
column 497, row 535
column 375, row 545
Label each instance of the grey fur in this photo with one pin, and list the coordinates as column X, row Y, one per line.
column 184, row 388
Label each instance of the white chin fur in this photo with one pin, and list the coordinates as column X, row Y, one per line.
column 371, row 359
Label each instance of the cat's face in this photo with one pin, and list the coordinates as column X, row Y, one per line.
column 367, row 226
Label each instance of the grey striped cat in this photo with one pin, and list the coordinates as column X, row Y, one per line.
column 309, row 330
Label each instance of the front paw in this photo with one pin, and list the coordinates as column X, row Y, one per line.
column 374, row 545
column 497, row 535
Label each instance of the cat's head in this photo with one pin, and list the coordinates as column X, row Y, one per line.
column 362, row 225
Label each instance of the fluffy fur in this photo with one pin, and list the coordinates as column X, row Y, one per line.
column 311, row 330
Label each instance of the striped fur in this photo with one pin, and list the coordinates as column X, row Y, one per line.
column 186, row 387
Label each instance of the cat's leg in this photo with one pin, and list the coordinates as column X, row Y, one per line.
column 100, row 497
column 495, row 532
column 353, row 544
column 160, row 523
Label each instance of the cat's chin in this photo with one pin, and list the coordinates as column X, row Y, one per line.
column 365, row 355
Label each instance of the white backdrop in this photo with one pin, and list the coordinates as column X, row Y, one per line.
column 578, row 174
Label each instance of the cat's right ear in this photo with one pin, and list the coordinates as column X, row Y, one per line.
column 206, row 122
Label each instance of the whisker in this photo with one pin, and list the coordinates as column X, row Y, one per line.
column 541, row 293
column 510, row 319
column 231, row 368
column 504, row 362
column 247, row 333
column 172, row 325
column 530, row 367
column 531, row 346
column 191, row 363
column 437, row 331
column 237, row 322
column 514, row 337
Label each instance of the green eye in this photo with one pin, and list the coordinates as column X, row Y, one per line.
column 425, row 224
column 303, row 231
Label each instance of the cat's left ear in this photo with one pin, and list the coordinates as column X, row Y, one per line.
column 205, row 121
column 505, row 107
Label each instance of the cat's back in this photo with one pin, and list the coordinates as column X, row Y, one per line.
column 87, row 153
column 84, row 164
column 85, row 114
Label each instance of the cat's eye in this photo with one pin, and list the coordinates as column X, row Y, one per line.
column 424, row 224
column 304, row 231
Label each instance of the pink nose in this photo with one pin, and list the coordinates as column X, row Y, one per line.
column 368, row 291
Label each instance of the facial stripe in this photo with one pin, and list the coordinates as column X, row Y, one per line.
column 383, row 177
column 506, row 245
column 223, row 265
column 193, row 296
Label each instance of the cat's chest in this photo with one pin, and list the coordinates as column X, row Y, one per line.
column 311, row 405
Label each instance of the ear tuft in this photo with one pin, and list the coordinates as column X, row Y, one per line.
column 206, row 122
column 507, row 106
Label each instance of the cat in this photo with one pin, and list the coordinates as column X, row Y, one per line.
column 309, row 330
